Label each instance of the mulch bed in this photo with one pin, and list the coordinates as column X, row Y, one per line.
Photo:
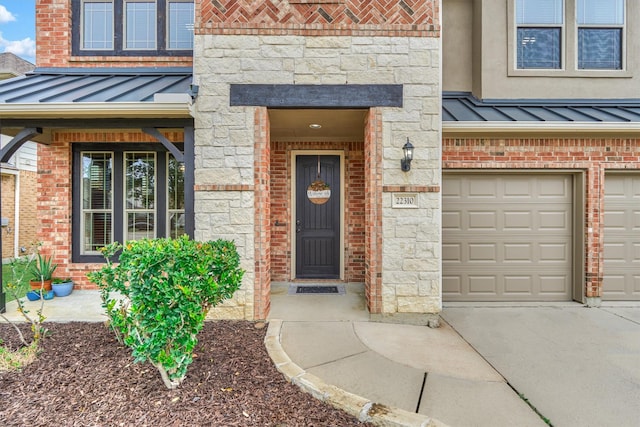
column 84, row 377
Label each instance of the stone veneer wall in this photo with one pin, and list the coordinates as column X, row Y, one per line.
column 224, row 135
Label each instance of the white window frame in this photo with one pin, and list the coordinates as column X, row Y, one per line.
column 126, row 211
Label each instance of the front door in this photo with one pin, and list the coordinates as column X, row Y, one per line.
column 317, row 220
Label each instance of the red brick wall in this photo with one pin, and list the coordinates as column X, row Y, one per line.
column 397, row 18
column 53, row 43
column 54, row 196
column 280, row 186
column 7, row 192
column 373, row 210
column 262, row 287
column 594, row 156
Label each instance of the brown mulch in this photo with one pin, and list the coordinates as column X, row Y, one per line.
column 84, row 377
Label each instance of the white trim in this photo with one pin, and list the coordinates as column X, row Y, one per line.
column 538, row 127
column 58, row 110
column 295, row 153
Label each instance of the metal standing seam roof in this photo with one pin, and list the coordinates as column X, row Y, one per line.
column 94, row 85
column 464, row 107
column 136, row 85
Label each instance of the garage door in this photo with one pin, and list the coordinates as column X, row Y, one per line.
column 621, row 237
column 507, row 237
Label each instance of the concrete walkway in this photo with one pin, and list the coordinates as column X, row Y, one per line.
column 422, row 376
column 578, row 366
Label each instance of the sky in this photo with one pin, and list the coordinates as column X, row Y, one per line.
column 18, row 28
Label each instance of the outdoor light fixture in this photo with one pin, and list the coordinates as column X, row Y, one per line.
column 405, row 162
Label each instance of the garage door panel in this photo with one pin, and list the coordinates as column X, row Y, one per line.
column 518, row 252
column 511, row 236
column 480, row 189
column 452, row 220
column 518, row 220
column 554, row 220
column 482, row 220
column 482, row 252
column 615, row 220
column 483, row 285
column 552, row 188
column 554, row 285
column 621, row 237
column 521, row 284
column 554, row 253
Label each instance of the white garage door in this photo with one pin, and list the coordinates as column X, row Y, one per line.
column 621, row 237
column 507, row 237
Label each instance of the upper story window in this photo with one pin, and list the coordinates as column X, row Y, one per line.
column 539, row 33
column 600, row 29
column 573, row 36
column 133, row 27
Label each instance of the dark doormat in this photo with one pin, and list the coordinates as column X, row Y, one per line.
column 317, row 290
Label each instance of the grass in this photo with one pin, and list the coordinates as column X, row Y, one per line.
column 16, row 272
column 13, row 360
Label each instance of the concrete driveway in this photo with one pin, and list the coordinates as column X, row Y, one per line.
column 577, row 366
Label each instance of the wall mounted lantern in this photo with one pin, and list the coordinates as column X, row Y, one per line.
column 405, row 162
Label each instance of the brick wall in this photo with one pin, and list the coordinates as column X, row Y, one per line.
column 53, row 43
column 415, row 18
column 593, row 156
column 27, row 228
column 281, row 187
column 7, row 193
column 54, row 196
column 28, row 212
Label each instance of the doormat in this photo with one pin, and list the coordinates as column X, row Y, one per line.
column 317, row 290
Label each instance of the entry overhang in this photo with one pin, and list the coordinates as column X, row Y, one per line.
column 316, row 96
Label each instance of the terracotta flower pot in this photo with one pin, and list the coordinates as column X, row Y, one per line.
column 36, row 284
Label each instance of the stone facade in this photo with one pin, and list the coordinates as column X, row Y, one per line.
column 225, row 141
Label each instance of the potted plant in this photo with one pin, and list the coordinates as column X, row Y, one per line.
column 41, row 271
column 62, row 287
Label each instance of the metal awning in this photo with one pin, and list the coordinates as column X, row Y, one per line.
column 100, row 92
column 462, row 112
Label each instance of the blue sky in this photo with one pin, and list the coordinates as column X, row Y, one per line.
column 18, row 28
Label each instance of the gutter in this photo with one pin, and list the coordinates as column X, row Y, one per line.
column 471, row 128
column 36, row 110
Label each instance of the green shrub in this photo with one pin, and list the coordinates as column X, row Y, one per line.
column 159, row 294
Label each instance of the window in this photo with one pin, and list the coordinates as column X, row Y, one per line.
column 600, row 29
column 133, row 27
column 539, row 33
column 125, row 195
column 140, row 24
column 98, row 21
column 180, row 24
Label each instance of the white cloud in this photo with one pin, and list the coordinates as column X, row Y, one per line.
column 5, row 15
column 25, row 48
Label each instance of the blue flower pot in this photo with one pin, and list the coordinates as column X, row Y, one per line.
column 48, row 295
column 33, row 295
column 62, row 289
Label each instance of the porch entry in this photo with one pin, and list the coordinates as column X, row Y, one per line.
column 317, row 219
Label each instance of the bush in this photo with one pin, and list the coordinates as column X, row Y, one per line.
column 159, row 294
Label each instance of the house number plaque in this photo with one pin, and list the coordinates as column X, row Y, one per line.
column 405, row 200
